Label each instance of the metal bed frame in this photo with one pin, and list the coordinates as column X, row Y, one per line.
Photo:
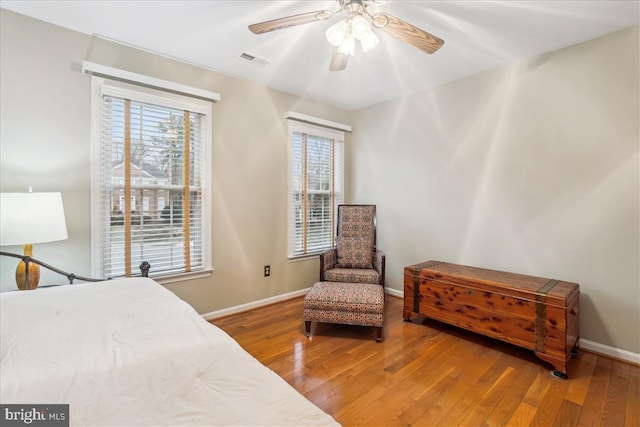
column 144, row 269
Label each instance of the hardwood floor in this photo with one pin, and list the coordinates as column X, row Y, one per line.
column 426, row 373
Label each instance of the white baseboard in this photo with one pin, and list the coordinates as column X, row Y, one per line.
column 394, row 292
column 613, row 352
column 254, row 304
column 605, row 350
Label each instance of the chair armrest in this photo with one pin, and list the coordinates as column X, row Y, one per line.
column 379, row 259
column 328, row 260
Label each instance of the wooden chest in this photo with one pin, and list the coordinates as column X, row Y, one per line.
column 531, row 312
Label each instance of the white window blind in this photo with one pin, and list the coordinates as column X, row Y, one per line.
column 152, row 183
column 316, row 187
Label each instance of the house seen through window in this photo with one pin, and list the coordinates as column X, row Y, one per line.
column 150, row 188
column 316, row 187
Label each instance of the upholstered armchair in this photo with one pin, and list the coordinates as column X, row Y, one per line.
column 355, row 259
column 351, row 286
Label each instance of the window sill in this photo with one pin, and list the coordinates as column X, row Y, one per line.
column 296, row 258
column 181, row 277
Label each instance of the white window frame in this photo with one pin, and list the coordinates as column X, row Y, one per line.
column 100, row 86
column 338, row 136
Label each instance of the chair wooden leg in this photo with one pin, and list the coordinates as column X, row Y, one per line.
column 307, row 327
column 378, row 334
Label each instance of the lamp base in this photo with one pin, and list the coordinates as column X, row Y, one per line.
column 21, row 271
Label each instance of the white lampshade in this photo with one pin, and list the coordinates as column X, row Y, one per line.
column 27, row 218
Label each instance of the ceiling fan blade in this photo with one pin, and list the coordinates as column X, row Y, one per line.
column 338, row 61
column 408, row 33
column 290, row 21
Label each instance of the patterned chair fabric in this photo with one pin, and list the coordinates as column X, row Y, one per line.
column 354, row 252
column 345, row 303
column 355, row 248
column 357, row 221
column 353, row 275
column 351, row 286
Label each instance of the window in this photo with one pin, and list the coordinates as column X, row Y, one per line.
column 316, row 187
column 150, row 189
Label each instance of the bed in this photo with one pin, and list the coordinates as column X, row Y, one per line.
column 129, row 352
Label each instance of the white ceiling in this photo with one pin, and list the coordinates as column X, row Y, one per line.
column 478, row 34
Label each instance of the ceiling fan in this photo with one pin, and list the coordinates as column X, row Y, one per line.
column 361, row 15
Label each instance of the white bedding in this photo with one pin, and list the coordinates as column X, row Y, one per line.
column 129, row 352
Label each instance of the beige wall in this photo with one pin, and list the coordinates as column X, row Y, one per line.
column 45, row 143
column 531, row 168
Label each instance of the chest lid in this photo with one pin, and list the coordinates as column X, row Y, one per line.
column 556, row 292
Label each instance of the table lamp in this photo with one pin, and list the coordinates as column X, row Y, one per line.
column 28, row 218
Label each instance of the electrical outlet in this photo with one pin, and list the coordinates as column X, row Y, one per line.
column 267, row 270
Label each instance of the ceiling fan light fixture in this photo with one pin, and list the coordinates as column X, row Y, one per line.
column 360, row 27
column 344, row 33
column 369, row 42
column 348, row 45
column 337, row 32
column 362, row 31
